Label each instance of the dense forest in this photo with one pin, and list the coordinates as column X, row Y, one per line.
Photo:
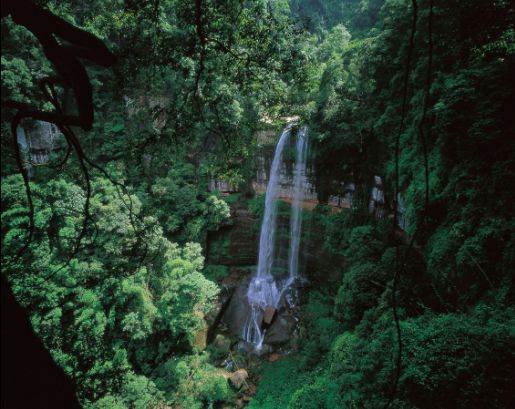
column 132, row 132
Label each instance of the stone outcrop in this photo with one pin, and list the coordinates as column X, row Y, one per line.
column 221, row 186
column 377, row 203
column 238, row 378
column 151, row 105
column 214, row 316
column 200, row 339
column 238, row 310
column 38, row 140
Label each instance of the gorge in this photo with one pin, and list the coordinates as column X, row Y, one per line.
column 258, row 204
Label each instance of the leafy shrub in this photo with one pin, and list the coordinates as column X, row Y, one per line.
column 321, row 394
column 278, row 383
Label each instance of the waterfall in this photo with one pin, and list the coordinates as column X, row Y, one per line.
column 264, row 291
column 298, row 193
column 268, row 227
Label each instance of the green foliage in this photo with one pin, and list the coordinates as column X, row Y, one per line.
column 99, row 315
column 318, row 328
column 341, row 354
column 220, row 348
column 192, row 382
column 140, row 393
column 216, row 272
column 278, row 383
column 451, row 294
column 321, row 394
column 23, row 64
column 183, row 209
column 459, row 362
column 359, row 292
column 182, row 109
column 257, row 206
column 185, row 290
column 109, row 402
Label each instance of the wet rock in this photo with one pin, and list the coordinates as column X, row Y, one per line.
column 238, row 309
column 227, row 364
column 238, row 276
column 214, row 317
column 238, row 378
column 269, row 314
column 218, row 305
column 251, row 350
column 281, row 329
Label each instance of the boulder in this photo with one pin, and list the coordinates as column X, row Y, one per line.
column 274, row 357
column 238, row 378
column 281, row 329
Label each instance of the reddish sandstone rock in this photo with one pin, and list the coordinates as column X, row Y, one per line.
column 274, row 357
column 269, row 314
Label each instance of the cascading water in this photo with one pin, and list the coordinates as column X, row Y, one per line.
column 298, row 193
column 264, row 291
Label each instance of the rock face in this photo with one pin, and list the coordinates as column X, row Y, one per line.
column 238, row 378
column 238, row 310
column 38, row 139
column 221, row 185
column 377, row 203
column 236, row 245
column 215, row 315
column 148, row 103
column 320, row 270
